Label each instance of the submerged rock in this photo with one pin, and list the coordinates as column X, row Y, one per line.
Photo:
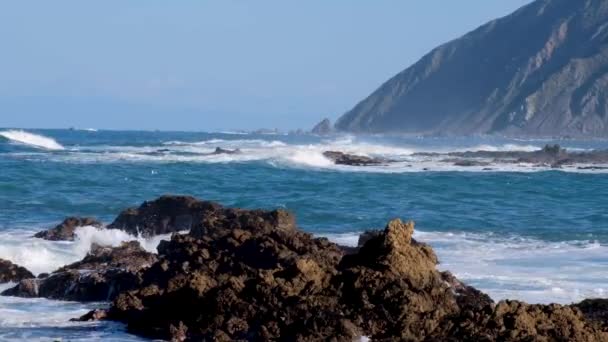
column 341, row 158
column 219, row 150
column 551, row 155
column 10, row 272
column 100, row 276
column 65, row 230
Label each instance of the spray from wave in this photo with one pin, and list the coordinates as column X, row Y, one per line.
column 31, row 139
column 42, row 256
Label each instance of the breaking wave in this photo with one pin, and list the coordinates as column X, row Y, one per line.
column 31, row 139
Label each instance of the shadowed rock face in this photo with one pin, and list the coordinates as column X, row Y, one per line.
column 169, row 214
column 253, row 275
column 65, row 230
column 10, row 272
column 100, row 276
column 542, row 70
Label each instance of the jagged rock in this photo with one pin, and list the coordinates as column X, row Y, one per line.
column 517, row 321
column 252, row 275
column 255, row 275
column 170, row 214
column 595, row 310
column 100, row 276
column 10, row 272
column 65, row 230
column 341, row 158
column 322, row 128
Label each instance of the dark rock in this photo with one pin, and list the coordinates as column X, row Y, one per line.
column 170, row 214
column 10, row 272
column 219, row 150
column 100, row 276
column 65, row 230
column 252, row 275
column 341, row 158
column 467, row 162
column 595, row 310
column 551, row 155
column 323, row 128
column 94, row 315
column 255, row 275
column 246, row 276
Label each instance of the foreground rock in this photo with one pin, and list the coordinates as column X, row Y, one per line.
column 341, row 158
column 65, row 231
column 100, row 276
column 252, row 275
column 10, row 272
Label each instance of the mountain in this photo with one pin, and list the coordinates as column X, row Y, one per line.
column 322, row 128
column 543, row 70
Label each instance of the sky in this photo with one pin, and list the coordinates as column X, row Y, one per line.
column 212, row 65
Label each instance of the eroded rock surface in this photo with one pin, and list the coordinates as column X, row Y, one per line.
column 253, row 275
column 10, row 272
column 65, row 231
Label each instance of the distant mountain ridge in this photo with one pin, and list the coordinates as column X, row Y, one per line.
column 543, row 70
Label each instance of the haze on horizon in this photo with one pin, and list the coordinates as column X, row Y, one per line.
column 215, row 64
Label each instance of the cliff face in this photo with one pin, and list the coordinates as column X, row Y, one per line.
column 542, row 70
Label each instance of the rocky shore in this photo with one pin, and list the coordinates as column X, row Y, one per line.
column 233, row 274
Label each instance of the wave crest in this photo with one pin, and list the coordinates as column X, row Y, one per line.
column 31, row 139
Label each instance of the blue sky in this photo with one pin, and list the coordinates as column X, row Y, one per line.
column 208, row 65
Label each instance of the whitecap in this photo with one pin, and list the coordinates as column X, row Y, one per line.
column 31, row 139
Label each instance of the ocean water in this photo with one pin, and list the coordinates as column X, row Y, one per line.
column 515, row 231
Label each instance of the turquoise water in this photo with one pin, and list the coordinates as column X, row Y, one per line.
column 516, row 231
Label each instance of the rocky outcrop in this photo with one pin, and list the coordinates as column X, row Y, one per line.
column 65, row 230
column 252, row 275
column 100, row 276
column 341, row 158
column 595, row 310
column 539, row 71
column 169, row 214
column 322, row 128
column 10, row 272
column 255, row 275
column 550, row 155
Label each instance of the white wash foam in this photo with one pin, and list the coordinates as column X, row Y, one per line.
column 40, row 256
column 31, row 139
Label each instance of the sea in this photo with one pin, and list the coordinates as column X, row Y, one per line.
column 514, row 230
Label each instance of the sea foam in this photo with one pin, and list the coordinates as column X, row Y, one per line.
column 31, row 139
